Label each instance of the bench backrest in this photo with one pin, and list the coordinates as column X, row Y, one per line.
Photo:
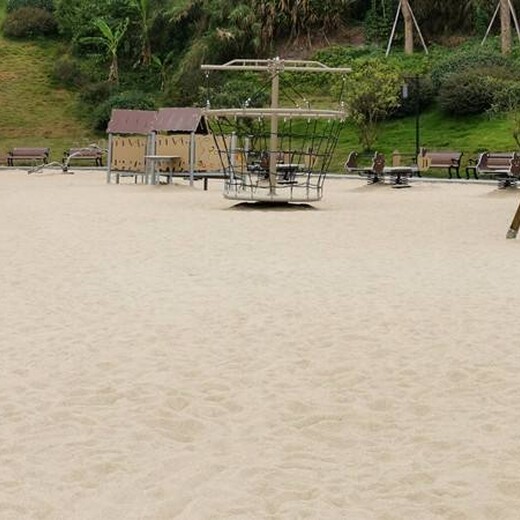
column 378, row 163
column 29, row 152
column 442, row 158
column 515, row 165
column 84, row 152
column 352, row 161
column 494, row 161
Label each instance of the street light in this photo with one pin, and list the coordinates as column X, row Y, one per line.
column 417, row 93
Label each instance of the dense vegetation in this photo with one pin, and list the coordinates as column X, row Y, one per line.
column 147, row 53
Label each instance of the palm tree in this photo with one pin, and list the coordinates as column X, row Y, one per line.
column 110, row 39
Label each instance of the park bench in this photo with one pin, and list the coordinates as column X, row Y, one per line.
column 505, row 169
column 28, row 155
column 488, row 163
column 84, row 154
column 442, row 160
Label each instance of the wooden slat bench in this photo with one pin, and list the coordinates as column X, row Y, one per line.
column 508, row 175
column 442, row 160
column 488, row 163
column 31, row 155
column 84, row 154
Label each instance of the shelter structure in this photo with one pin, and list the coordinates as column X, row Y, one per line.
column 168, row 142
column 182, row 137
column 129, row 137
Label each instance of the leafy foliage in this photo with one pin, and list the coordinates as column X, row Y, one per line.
column 466, row 93
column 13, row 5
column 29, row 22
column 372, row 93
column 134, row 99
column 467, row 59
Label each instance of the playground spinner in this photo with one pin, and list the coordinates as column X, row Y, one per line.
column 279, row 153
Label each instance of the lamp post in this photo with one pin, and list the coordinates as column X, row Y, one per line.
column 417, row 94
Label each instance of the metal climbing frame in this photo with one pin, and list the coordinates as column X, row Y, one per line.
column 276, row 153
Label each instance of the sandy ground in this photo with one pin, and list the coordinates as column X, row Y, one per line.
column 166, row 355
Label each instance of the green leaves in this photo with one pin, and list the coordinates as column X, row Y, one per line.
column 372, row 93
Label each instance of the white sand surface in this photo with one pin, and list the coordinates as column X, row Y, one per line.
column 166, row 355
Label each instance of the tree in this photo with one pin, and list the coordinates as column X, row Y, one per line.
column 408, row 27
column 505, row 24
column 144, row 8
column 110, row 39
column 372, row 93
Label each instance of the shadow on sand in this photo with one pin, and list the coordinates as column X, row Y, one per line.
column 271, row 206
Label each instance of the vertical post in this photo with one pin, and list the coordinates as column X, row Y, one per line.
column 151, row 167
column 109, row 158
column 505, row 25
column 408, row 27
column 417, row 115
column 275, row 89
column 515, row 224
column 192, row 157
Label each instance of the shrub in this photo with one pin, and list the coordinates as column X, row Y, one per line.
column 28, row 22
column 67, row 72
column 466, row 60
column 371, row 95
column 96, row 93
column 466, row 93
column 134, row 99
column 506, row 96
column 423, row 90
column 13, row 5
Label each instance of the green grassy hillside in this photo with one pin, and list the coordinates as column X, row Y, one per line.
column 470, row 135
column 34, row 112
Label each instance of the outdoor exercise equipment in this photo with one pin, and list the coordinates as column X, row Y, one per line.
column 64, row 166
column 278, row 153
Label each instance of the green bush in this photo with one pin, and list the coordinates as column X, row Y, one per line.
column 506, row 96
column 134, row 99
column 67, row 72
column 28, row 22
column 94, row 94
column 466, row 93
column 468, row 60
column 421, row 88
column 13, row 5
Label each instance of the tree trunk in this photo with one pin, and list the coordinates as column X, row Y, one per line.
column 408, row 27
column 505, row 23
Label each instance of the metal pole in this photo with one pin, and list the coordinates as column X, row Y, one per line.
column 515, row 19
column 392, row 34
column 417, row 115
column 490, row 25
column 109, row 158
column 275, row 89
column 192, row 157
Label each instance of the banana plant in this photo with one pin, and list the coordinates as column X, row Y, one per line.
column 110, row 39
